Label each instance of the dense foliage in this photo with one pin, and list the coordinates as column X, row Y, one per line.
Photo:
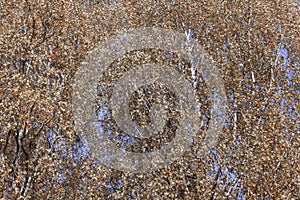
column 255, row 45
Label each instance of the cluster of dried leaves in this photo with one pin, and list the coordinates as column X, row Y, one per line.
column 42, row 44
